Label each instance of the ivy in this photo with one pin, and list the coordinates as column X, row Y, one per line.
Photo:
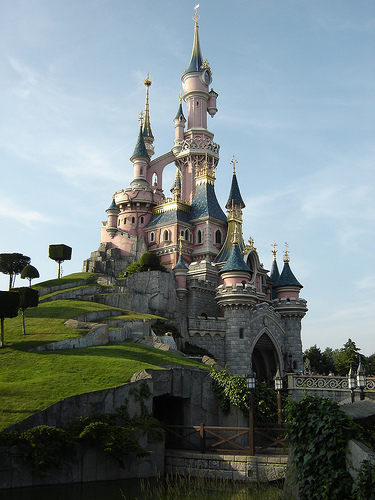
column 364, row 485
column 231, row 389
column 318, row 433
column 116, row 434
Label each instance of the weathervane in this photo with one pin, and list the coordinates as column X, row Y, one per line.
column 140, row 118
column 286, row 253
column 274, row 251
column 196, row 16
column 234, row 162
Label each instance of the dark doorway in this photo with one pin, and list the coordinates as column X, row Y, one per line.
column 169, row 410
column 265, row 359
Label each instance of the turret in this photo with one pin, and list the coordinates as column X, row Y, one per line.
column 179, row 125
column 112, row 212
column 180, row 272
column 195, row 82
column 140, row 160
column 287, row 286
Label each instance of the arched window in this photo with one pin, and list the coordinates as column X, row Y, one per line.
column 199, row 236
column 133, row 220
column 166, row 235
column 241, row 333
column 152, row 236
column 154, row 179
column 218, row 237
column 142, row 219
column 187, row 235
column 141, row 172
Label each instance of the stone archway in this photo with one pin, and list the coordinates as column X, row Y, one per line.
column 265, row 358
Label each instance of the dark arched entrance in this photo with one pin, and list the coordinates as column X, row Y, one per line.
column 265, row 359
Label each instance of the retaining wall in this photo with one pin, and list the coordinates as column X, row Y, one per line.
column 259, row 468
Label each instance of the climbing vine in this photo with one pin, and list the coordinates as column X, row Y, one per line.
column 318, row 433
column 231, row 389
column 116, row 434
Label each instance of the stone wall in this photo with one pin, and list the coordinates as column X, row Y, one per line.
column 259, row 468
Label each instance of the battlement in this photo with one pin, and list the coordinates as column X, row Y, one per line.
column 227, row 295
column 290, row 306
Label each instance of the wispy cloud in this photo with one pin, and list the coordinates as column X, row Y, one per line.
column 27, row 218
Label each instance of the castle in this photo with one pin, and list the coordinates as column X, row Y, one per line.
column 226, row 302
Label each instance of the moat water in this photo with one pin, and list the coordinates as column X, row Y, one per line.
column 132, row 489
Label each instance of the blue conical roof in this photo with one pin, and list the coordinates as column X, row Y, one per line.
column 113, row 205
column 235, row 197
column 180, row 114
column 287, row 278
column 274, row 275
column 196, row 60
column 180, row 264
column 235, row 261
column 140, row 148
column 205, row 203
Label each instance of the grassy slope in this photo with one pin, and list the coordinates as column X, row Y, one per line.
column 31, row 381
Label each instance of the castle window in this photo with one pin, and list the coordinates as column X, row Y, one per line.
column 141, row 171
column 142, row 219
column 199, row 236
column 166, row 235
column 152, row 236
column 218, row 237
column 154, row 179
column 133, row 220
column 241, row 333
column 125, row 220
column 187, row 235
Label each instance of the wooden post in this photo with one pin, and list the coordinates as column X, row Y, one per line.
column 278, row 407
column 251, row 423
column 203, row 438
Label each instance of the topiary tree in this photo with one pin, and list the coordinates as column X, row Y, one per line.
column 28, row 298
column 12, row 264
column 29, row 272
column 9, row 305
column 59, row 253
column 149, row 262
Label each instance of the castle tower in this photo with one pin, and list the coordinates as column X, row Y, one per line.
column 112, row 212
column 146, row 131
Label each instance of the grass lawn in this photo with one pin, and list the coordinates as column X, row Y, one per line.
column 69, row 278
column 30, row 382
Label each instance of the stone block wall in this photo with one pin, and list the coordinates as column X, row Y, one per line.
column 259, row 468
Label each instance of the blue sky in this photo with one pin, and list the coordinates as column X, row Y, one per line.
column 296, row 103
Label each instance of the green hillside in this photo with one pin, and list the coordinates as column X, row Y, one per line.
column 30, row 382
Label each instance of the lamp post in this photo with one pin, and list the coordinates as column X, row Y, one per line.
column 278, row 388
column 250, row 385
column 361, row 379
column 351, row 383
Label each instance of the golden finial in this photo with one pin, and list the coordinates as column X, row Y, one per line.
column 286, row 253
column 205, row 65
column 147, row 81
column 235, row 235
column 140, row 118
column 234, row 162
column 250, row 246
column 180, row 238
column 180, row 96
column 274, row 251
column 196, row 16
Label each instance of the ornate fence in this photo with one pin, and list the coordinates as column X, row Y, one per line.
column 324, row 383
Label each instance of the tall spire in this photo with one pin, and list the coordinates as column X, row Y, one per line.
column 146, row 121
column 196, row 60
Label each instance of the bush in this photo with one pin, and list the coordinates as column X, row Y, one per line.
column 149, row 262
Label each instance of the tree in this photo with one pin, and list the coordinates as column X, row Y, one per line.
column 12, row 264
column 346, row 356
column 29, row 272
column 28, row 298
column 149, row 262
column 320, row 362
column 9, row 305
column 59, row 253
